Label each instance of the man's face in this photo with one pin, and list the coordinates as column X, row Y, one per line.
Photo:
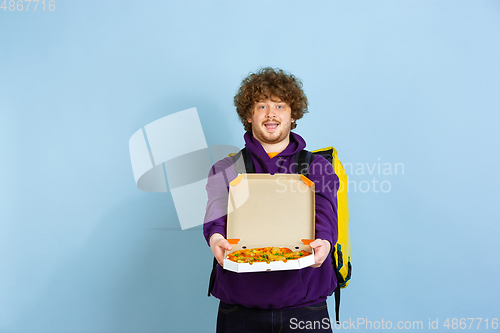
column 271, row 120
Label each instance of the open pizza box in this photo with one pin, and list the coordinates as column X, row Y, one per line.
column 270, row 211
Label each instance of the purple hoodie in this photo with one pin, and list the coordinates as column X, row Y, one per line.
column 278, row 289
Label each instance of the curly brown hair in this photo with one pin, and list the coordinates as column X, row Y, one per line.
column 266, row 83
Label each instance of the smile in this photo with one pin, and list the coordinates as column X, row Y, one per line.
column 271, row 126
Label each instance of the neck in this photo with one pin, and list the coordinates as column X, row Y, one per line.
column 275, row 147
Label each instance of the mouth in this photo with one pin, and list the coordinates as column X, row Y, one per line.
column 271, row 126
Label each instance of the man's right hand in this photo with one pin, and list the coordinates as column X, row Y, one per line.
column 218, row 245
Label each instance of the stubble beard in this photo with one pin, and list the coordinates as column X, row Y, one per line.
column 266, row 138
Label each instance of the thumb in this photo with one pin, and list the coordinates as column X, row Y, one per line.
column 317, row 242
column 225, row 244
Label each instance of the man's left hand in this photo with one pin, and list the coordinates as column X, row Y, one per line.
column 321, row 250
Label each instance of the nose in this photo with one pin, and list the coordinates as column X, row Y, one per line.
column 271, row 112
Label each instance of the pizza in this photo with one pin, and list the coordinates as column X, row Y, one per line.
column 266, row 254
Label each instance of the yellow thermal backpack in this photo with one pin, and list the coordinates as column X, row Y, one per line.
column 341, row 253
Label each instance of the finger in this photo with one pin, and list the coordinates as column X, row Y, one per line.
column 220, row 259
column 224, row 244
column 319, row 258
column 317, row 242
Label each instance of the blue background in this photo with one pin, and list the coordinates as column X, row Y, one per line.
column 411, row 82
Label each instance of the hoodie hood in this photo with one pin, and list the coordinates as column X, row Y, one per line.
column 265, row 164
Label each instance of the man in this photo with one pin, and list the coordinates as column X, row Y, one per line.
column 269, row 103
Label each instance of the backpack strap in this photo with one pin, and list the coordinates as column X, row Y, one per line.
column 302, row 161
column 212, row 278
column 340, row 280
column 243, row 162
column 337, row 303
column 327, row 153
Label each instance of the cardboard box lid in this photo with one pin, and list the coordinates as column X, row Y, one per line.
column 271, row 210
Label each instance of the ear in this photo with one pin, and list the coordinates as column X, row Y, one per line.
column 249, row 120
column 293, row 120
